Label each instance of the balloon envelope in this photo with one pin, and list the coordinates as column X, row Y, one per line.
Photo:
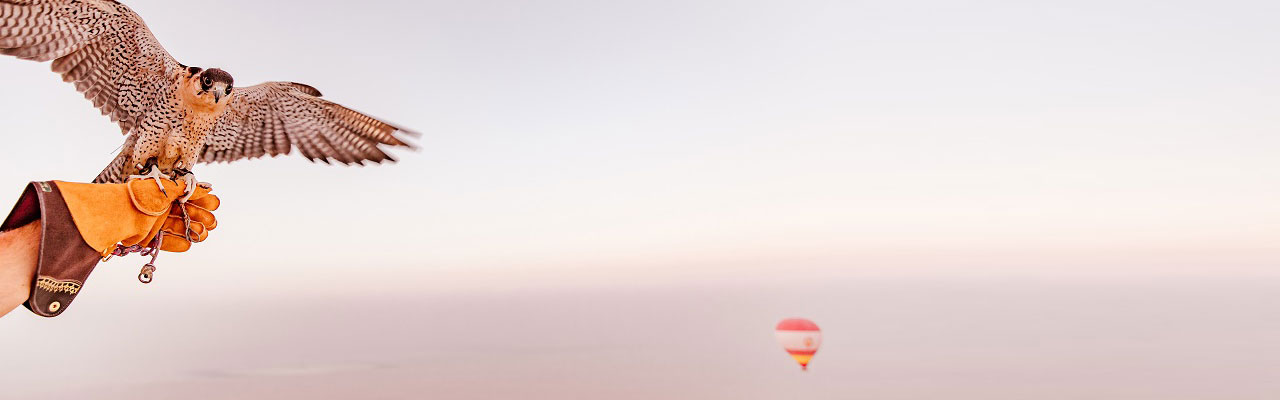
column 800, row 338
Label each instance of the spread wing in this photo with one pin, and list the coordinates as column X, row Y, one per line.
column 100, row 45
column 271, row 118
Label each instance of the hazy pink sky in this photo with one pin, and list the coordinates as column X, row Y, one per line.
column 655, row 139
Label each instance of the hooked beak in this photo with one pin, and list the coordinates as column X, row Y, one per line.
column 217, row 96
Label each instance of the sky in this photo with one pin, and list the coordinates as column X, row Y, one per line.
column 618, row 199
column 587, row 143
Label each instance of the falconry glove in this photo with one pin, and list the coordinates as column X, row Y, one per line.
column 84, row 223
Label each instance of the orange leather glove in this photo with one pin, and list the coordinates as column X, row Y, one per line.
column 81, row 223
column 134, row 213
column 190, row 222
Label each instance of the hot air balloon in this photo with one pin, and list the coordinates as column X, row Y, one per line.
column 800, row 337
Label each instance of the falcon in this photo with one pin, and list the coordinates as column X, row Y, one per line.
column 174, row 116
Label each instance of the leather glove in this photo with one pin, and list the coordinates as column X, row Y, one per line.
column 134, row 213
column 82, row 223
column 190, row 222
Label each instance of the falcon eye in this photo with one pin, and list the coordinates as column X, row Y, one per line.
column 207, row 82
column 228, row 90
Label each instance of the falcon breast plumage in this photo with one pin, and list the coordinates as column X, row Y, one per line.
column 174, row 115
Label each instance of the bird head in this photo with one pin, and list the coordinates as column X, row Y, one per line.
column 210, row 86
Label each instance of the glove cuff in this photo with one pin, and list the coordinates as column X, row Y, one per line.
column 65, row 260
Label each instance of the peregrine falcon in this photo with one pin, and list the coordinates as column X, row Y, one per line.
column 174, row 115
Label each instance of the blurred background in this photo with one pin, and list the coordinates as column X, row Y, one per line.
column 974, row 200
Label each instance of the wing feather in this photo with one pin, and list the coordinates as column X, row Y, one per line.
column 101, row 46
column 270, row 119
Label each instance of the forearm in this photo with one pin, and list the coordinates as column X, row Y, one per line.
column 19, row 249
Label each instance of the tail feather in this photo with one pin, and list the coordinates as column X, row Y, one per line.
column 115, row 171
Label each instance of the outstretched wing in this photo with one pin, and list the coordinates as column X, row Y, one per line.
column 271, row 118
column 100, row 45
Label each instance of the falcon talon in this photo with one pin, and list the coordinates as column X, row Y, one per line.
column 153, row 174
column 189, row 189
